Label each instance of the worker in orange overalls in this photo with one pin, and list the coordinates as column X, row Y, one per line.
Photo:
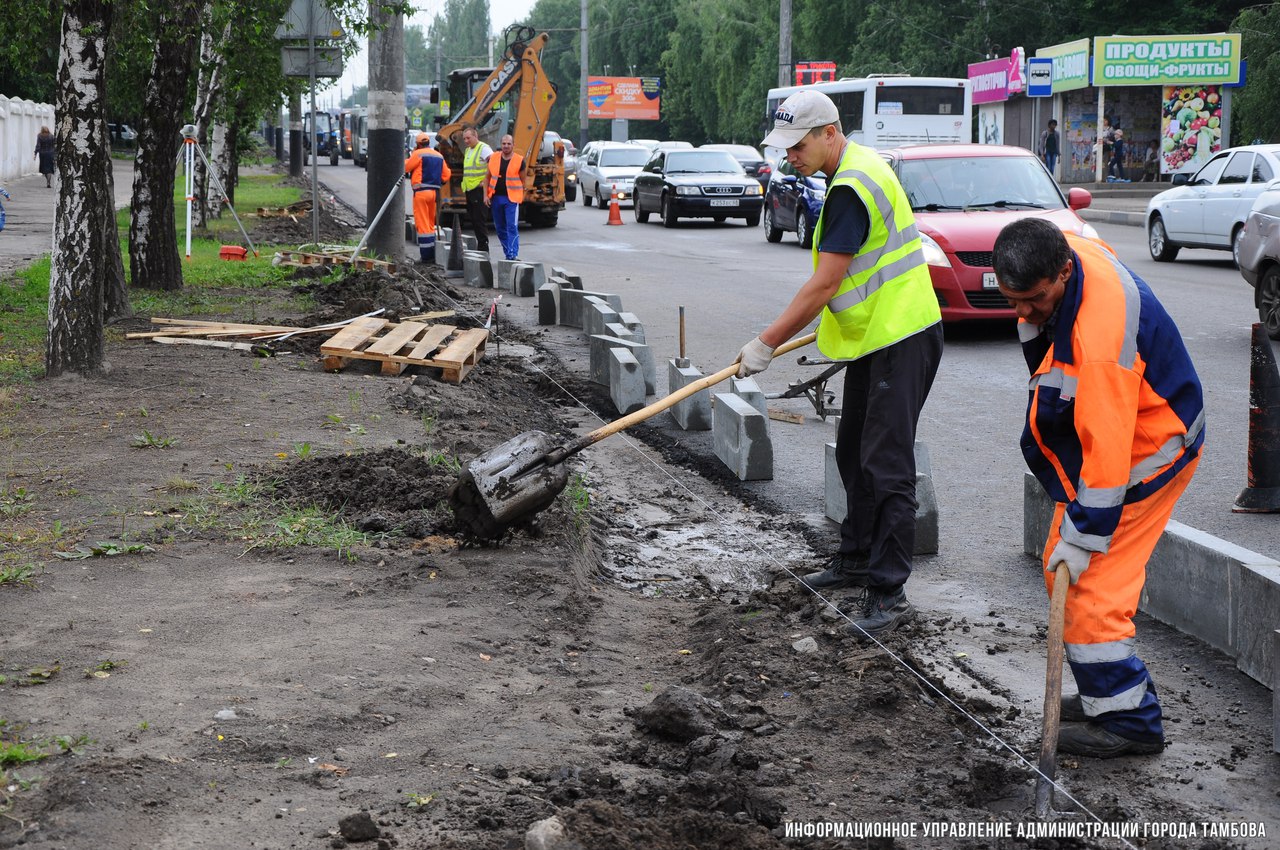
column 427, row 172
column 1115, row 425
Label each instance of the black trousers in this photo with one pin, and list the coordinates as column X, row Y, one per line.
column 479, row 215
column 875, row 451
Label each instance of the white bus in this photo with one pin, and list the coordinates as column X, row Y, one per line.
column 889, row 110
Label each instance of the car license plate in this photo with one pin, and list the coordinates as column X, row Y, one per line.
column 724, row 202
column 989, row 280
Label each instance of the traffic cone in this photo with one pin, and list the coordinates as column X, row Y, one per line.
column 1262, row 496
column 453, row 266
column 615, row 211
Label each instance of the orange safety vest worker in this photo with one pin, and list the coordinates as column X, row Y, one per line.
column 1115, row 424
column 427, row 172
column 514, row 181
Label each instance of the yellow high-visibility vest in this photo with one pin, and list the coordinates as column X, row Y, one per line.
column 475, row 166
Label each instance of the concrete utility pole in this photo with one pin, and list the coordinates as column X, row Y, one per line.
column 784, row 43
column 582, row 83
column 386, row 129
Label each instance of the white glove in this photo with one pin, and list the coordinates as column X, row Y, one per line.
column 1075, row 559
column 754, row 358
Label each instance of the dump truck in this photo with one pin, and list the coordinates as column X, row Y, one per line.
column 516, row 97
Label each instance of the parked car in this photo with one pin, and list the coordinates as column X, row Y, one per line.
column 122, row 134
column 1209, row 210
column 360, row 154
column 962, row 196
column 651, row 144
column 793, row 202
column 1258, row 255
column 610, row 167
column 751, row 160
column 696, row 184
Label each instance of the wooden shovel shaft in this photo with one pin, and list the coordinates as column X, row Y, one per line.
column 665, row 403
column 1052, row 694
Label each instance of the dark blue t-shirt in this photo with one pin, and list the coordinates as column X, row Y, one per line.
column 845, row 223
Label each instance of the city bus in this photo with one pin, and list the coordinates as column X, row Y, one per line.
column 891, row 110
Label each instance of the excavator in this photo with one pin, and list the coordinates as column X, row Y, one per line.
column 516, row 97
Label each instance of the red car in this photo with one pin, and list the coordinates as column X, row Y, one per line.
column 963, row 195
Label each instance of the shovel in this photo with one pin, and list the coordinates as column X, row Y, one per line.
column 521, row 477
column 1052, row 695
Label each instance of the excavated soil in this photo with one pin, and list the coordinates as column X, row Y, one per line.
column 628, row 667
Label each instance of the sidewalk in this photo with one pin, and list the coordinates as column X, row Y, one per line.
column 1118, row 203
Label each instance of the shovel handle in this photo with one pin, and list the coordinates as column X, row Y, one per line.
column 665, row 403
column 1052, row 694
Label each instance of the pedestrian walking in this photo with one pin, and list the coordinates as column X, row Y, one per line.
column 1050, row 146
column 427, row 172
column 6, row 194
column 871, row 289
column 45, row 153
column 1115, row 425
column 503, row 192
column 1115, row 168
column 475, row 159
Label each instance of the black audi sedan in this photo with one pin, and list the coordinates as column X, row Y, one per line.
column 751, row 160
column 696, row 183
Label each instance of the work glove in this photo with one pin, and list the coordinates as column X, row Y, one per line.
column 754, row 358
column 1075, row 559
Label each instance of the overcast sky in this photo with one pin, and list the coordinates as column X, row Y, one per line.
column 501, row 13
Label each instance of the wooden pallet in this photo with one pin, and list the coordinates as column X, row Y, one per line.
column 293, row 211
column 396, row 346
column 308, row 258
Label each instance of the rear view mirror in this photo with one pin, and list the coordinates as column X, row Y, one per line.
column 1079, row 198
column 1181, row 179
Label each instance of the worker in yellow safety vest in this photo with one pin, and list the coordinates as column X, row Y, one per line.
column 871, row 287
column 475, row 166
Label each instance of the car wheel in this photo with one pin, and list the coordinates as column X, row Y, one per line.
column 1235, row 244
column 753, row 220
column 586, row 198
column 803, row 233
column 771, row 233
column 669, row 217
column 1269, row 301
column 1162, row 250
column 571, row 193
column 333, row 157
column 642, row 216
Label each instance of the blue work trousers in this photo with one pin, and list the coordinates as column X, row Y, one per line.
column 506, row 220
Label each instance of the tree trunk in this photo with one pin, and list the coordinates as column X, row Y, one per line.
column 115, row 294
column 153, row 244
column 80, row 267
column 208, row 95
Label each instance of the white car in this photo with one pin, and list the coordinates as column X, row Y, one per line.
column 1210, row 209
column 609, row 167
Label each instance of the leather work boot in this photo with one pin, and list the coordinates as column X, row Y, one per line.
column 1092, row 740
column 841, row 571
column 883, row 612
column 1073, row 710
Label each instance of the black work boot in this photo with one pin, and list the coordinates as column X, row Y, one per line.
column 1073, row 709
column 841, row 571
column 884, row 611
column 1094, row 741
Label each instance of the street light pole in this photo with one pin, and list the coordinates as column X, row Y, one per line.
column 784, row 43
column 582, row 83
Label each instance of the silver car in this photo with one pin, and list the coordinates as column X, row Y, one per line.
column 609, row 167
column 1258, row 255
column 1209, row 210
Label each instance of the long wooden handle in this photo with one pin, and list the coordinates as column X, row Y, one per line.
column 1052, row 693
column 666, row 402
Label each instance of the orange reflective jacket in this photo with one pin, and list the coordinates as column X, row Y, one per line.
column 514, row 182
column 1115, row 407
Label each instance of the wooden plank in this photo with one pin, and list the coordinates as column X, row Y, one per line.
column 786, row 416
column 212, row 343
column 464, row 348
column 396, row 338
column 196, row 323
column 347, row 339
column 430, row 341
column 438, row 314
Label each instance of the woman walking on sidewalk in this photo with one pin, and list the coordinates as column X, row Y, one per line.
column 44, row 151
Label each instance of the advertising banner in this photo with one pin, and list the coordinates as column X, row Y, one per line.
column 989, row 81
column 1145, row 60
column 1070, row 64
column 1193, row 123
column 624, row 97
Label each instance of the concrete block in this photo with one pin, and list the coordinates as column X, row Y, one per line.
column 741, row 439
column 472, row 274
column 595, row 315
column 575, row 280
column 572, row 305
column 572, row 280
column 837, row 504
column 1221, row 593
column 469, row 242
column 614, row 329
column 559, row 271
column 694, row 412
column 1275, row 693
column 523, row 280
column 1037, row 513
column 633, row 324
column 750, row 392
column 549, row 304
column 626, row 381
column 502, row 274
column 600, row 345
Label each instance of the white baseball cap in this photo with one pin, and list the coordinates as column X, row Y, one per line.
column 799, row 114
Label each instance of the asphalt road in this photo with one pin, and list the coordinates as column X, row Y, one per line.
column 732, row 283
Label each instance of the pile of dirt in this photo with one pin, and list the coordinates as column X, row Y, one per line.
column 339, row 224
column 410, row 291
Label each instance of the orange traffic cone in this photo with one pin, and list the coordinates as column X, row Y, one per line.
column 615, row 211
column 1262, row 495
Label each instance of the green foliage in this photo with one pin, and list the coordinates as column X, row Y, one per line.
column 15, row 502
column 1256, row 116
column 103, row 549
column 17, row 574
column 147, row 440
column 24, row 311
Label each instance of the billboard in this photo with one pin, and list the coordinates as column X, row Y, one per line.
column 808, row 73
column 1170, row 60
column 624, row 97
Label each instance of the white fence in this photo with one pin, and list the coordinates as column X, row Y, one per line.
column 20, row 122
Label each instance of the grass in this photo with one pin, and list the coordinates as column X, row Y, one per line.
column 212, row 287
